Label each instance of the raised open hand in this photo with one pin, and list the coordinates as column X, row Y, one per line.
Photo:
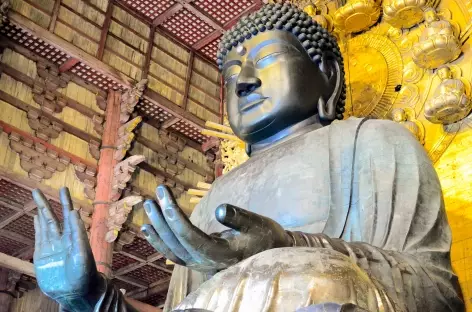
column 172, row 234
column 63, row 261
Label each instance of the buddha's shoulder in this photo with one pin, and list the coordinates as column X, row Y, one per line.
column 369, row 128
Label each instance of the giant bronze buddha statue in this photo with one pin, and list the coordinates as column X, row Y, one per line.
column 326, row 215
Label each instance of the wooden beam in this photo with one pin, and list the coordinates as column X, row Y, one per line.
column 147, row 61
column 27, row 80
column 188, row 79
column 153, row 170
column 173, row 108
column 67, row 127
column 71, row 62
column 10, row 205
column 155, row 257
column 129, row 268
column 170, row 122
column 159, row 268
column 196, row 146
column 55, row 13
column 16, row 237
column 73, row 158
column 167, row 14
column 208, row 39
column 132, row 281
column 129, row 255
column 16, row 264
column 159, row 149
column 105, row 29
column 10, row 219
column 69, row 48
column 161, row 286
column 207, row 19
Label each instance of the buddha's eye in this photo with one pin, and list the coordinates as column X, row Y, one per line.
column 269, row 59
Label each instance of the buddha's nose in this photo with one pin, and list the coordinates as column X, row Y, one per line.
column 247, row 81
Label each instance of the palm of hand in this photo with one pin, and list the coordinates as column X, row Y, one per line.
column 64, row 263
column 172, row 234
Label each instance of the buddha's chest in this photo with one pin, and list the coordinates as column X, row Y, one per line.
column 290, row 184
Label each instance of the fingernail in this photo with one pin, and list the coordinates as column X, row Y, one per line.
column 160, row 192
column 144, row 230
column 169, row 213
column 147, row 207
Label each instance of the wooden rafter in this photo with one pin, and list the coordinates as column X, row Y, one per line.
column 188, row 79
column 147, row 61
column 207, row 19
column 69, row 48
column 208, row 39
column 105, row 29
column 167, row 14
column 55, row 13
column 17, row 265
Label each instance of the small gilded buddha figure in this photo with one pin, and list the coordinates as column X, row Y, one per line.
column 438, row 43
column 324, row 216
column 400, row 116
column 450, row 103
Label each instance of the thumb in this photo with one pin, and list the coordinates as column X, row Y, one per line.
column 240, row 219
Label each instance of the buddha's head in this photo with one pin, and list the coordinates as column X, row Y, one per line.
column 444, row 72
column 280, row 68
column 430, row 15
column 399, row 115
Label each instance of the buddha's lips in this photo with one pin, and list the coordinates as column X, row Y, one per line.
column 252, row 102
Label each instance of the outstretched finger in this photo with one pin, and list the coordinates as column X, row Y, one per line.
column 80, row 243
column 164, row 231
column 240, row 219
column 43, row 230
column 153, row 238
column 67, row 207
column 48, row 215
column 37, row 235
column 196, row 242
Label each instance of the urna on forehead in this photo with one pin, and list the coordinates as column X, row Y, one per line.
column 315, row 39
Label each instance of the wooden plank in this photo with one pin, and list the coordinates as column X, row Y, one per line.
column 155, row 257
column 71, row 62
column 167, row 14
column 160, row 268
column 147, row 61
column 73, row 158
column 10, row 205
column 55, row 13
column 188, row 79
column 156, row 147
column 10, row 219
column 16, row 264
column 154, row 288
column 69, row 48
column 16, row 237
column 105, row 29
column 207, row 40
column 129, row 255
column 67, row 127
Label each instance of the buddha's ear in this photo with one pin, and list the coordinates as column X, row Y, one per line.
column 327, row 102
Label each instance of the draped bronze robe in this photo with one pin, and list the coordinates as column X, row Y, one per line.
column 385, row 194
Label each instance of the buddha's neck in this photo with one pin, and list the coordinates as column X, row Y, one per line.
column 289, row 133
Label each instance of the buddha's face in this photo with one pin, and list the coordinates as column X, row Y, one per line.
column 271, row 83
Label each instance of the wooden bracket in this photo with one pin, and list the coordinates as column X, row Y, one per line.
column 4, row 8
column 125, row 137
column 130, row 99
column 118, row 214
column 88, row 176
column 172, row 142
column 125, row 238
column 122, row 174
column 44, row 128
column 36, row 159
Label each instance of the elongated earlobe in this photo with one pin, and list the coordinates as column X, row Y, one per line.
column 331, row 68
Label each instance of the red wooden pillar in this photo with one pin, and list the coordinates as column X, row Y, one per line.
column 102, row 250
